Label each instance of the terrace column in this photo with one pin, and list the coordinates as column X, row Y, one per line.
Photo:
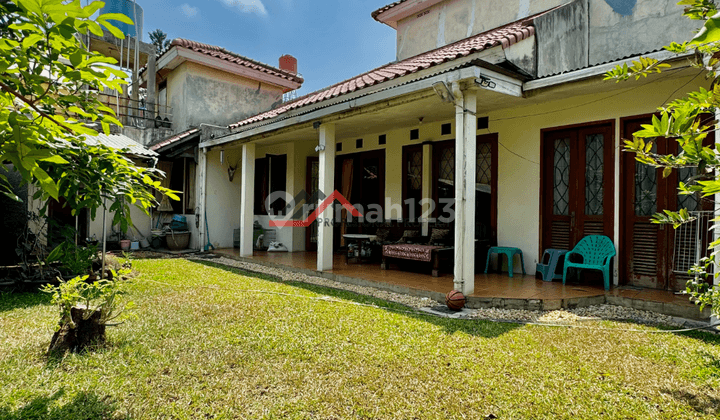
column 247, row 200
column 465, row 162
column 201, row 198
column 327, row 186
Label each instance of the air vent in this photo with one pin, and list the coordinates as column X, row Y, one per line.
column 483, row 123
column 446, row 129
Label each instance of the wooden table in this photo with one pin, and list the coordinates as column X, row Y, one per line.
column 359, row 239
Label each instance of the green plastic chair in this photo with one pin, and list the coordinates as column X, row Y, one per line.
column 596, row 252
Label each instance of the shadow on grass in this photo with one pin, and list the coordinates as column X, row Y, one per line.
column 701, row 402
column 22, row 300
column 486, row 329
column 84, row 405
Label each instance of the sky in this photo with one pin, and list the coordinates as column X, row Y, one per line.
column 333, row 40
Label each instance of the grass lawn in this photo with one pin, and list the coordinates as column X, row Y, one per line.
column 203, row 348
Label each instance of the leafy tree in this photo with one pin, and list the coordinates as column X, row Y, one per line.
column 48, row 104
column 158, row 37
column 689, row 121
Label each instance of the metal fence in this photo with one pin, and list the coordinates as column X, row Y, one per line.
column 135, row 113
column 692, row 240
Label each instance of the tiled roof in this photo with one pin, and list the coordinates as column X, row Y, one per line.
column 386, row 8
column 120, row 141
column 174, row 139
column 223, row 54
column 506, row 35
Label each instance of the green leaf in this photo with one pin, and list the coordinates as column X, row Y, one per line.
column 46, row 183
column 116, row 16
column 31, row 40
column 667, row 172
column 117, row 33
column 25, row 27
column 57, row 159
column 11, row 196
column 95, row 28
column 709, row 33
column 76, row 58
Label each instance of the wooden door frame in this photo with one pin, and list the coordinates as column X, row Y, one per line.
column 379, row 153
column 626, row 235
column 543, row 175
column 491, row 138
column 624, row 255
column 308, row 187
column 406, row 150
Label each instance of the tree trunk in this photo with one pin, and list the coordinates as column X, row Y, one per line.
column 87, row 333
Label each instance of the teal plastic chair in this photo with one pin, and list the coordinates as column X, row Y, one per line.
column 596, row 252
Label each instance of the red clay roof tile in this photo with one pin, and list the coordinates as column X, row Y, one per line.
column 223, row 54
column 506, row 35
column 174, row 139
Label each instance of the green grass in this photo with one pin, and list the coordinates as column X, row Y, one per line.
column 202, row 348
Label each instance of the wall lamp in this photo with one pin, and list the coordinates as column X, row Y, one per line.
column 320, row 148
column 316, row 124
column 483, row 81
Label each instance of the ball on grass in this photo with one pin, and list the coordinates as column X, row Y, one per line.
column 455, row 300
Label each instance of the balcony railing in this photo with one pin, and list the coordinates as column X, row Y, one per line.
column 135, row 112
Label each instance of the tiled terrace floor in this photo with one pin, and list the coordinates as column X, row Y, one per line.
column 499, row 290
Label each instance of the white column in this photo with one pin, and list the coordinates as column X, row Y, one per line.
column 200, row 198
column 247, row 196
column 465, row 162
column 426, row 187
column 327, row 186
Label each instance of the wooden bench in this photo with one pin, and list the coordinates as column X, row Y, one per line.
column 415, row 252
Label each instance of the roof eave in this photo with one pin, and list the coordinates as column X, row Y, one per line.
column 494, row 55
column 395, row 14
column 505, row 84
column 177, row 55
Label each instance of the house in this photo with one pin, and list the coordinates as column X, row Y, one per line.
column 59, row 216
column 207, row 87
column 499, row 105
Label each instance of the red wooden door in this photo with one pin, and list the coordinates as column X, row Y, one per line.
column 577, row 185
column 649, row 250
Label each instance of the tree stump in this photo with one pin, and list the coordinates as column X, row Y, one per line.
column 87, row 332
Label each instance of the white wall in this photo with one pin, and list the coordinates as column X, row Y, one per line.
column 223, row 198
column 139, row 219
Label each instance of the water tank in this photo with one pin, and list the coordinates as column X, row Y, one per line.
column 125, row 7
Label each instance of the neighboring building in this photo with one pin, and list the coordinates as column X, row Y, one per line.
column 200, row 90
column 533, row 140
column 60, row 216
